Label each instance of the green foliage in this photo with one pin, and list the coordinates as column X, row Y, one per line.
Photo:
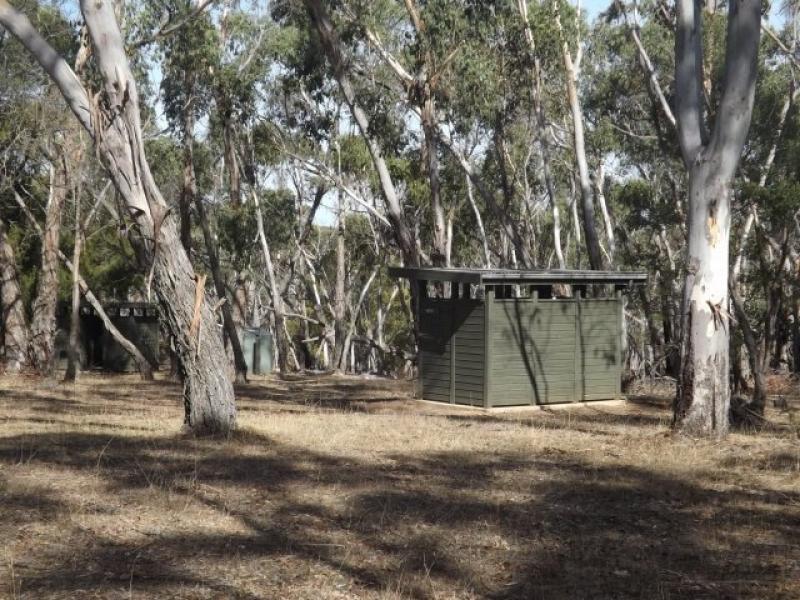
column 778, row 202
column 237, row 229
column 109, row 265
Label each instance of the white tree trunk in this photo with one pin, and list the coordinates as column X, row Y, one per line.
column 703, row 397
column 704, row 400
column 481, row 231
column 601, row 200
column 579, row 147
column 542, row 133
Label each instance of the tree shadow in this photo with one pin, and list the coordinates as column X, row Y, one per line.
column 325, row 392
column 500, row 526
column 490, row 524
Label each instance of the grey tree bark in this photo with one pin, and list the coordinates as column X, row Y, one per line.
column 114, row 124
column 43, row 317
column 703, row 398
column 15, row 327
column 239, row 363
column 73, row 356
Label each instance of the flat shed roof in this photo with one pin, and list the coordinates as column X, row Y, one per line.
column 505, row 276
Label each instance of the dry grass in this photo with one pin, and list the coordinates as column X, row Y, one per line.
column 344, row 488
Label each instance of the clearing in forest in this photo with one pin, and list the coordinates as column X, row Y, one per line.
column 346, row 488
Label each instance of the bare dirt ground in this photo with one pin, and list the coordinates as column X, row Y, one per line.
column 346, row 488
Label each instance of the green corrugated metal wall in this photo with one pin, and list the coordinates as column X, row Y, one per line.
column 519, row 351
column 469, row 345
column 532, row 358
column 598, row 356
column 550, row 351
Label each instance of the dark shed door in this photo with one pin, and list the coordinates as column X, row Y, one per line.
column 436, row 325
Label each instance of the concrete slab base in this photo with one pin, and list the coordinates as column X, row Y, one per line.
column 531, row 408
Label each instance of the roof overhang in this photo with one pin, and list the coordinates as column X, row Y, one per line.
column 515, row 276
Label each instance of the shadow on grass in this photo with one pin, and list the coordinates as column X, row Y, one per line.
column 326, row 392
column 422, row 525
column 495, row 527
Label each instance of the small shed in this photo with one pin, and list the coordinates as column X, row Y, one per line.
column 503, row 337
column 137, row 321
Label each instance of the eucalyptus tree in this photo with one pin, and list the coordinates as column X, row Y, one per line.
column 335, row 52
column 14, row 325
column 34, row 140
column 543, row 129
column 571, row 72
column 191, row 67
column 703, row 397
column 631, row 128
column 113, row 121
column 43, row 319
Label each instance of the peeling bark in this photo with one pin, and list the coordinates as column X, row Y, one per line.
column 239, row 363
column 704, row 388
column 15, row 328
column 703, row 397
column 114, row 123
column 43, row 320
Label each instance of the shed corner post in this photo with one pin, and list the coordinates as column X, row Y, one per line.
column 488, row 306
column 534, row 291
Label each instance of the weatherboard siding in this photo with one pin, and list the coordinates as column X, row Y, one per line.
column 553, row 351
column 452, row 364
column 511, row 352
column 470, row 363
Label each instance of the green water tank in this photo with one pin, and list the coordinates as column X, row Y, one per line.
column 257, row 349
